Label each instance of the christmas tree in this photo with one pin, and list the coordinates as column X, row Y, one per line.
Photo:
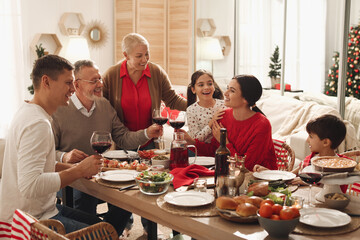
column 331, row 84
column 275, row 64
column 352, row 68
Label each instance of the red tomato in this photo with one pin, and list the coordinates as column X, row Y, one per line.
column 286, row 214
column 268, row 200
column 275, row 217
column 276, row 208
column 266, row 210
column 295, row 211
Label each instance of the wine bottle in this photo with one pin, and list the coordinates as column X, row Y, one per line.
column 221, row 165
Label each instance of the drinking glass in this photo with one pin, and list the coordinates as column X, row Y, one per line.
column 310, row 176
column 100, row 141
column 160, row 117
column 177, row 119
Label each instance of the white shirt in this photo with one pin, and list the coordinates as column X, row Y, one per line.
column 198, row 119
column 81, row 107
column 29, row 181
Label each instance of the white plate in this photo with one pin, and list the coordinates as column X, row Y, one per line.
column 118, row 175
column 120, row 154
column 189, row 198
column 270, row 175
column 324, row 217
column 203, row 161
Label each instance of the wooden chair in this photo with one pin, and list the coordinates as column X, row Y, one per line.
column 353, row 189
column 285, row 156
column 54, row 229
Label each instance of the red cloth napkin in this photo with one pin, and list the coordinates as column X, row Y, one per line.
column 186, row 176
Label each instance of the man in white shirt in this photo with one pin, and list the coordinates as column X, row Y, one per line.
column 90, row 112
column 31, row 176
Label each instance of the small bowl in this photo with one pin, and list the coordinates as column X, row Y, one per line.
column 278, row 228
column 151, row 187
column 336, row 204
column 157, row 168
column 162, row 162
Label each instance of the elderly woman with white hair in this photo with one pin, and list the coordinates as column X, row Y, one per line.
column 135, row 86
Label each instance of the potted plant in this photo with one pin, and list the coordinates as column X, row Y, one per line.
column 275, row 66
column 40, row 51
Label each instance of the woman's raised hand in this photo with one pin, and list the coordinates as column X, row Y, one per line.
column 218, row 115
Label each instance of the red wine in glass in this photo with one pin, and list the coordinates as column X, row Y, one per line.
column 100, row 147
column 160, row 120
column 177, row 119
column 100, row 141
column 310, row 177
column 177, row 124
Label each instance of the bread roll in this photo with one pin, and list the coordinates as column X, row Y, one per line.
column 226, row 203
column 254, row 200
column 246, row 209
column 241, row 199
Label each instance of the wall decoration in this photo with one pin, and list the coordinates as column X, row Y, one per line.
column 96, row 34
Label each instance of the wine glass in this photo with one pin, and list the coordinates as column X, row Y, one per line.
column 310, row 176
column 160, row 117
column 100, row 141
column 177, row 119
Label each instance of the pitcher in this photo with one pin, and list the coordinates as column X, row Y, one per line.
column 179, row 151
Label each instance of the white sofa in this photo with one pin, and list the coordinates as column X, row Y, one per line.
column 288, row 117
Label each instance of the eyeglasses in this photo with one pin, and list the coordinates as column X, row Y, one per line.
column 95, row 81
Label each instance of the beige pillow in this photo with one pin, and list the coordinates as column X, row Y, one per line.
column 2, row 150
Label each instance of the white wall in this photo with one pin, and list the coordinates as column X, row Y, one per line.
column 42, row 16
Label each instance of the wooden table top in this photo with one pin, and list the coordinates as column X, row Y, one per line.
column 196, row 227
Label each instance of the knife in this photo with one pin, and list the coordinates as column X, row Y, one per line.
column 127, row 187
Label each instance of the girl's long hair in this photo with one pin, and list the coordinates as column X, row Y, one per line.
column 191, row 97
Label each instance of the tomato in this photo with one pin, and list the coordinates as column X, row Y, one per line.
column 266, row 210
column 286, row 214
column 275, row 217
column 276, row 208
column 106, row 160
column 268, row 200
column 295, row 211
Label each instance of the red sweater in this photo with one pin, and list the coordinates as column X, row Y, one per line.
column 251, row 137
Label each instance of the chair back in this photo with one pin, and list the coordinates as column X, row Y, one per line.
column 98, row 231
column 285, row 156
column 41, row 232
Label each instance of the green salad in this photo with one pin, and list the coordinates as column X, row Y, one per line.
column 153, row 182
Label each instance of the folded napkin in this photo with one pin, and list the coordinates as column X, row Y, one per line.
column 186, row 176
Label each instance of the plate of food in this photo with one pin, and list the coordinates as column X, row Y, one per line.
column 118, row 175
column 189, row 198
column 324, row 217
column 333, row 164
column 271, row 175
column 120, row 154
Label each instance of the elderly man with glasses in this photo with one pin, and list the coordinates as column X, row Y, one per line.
column 73, row 126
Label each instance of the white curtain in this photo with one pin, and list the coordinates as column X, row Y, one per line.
column 11, row 62
column 260, row 29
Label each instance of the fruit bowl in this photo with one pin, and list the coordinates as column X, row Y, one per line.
column 278, row 228
column 153, row 183
column 336, row 200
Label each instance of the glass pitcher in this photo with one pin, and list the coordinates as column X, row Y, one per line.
column 179, row 151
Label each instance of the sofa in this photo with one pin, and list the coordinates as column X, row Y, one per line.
column 289, row 114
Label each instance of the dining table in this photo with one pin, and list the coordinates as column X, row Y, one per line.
column 213, row 227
